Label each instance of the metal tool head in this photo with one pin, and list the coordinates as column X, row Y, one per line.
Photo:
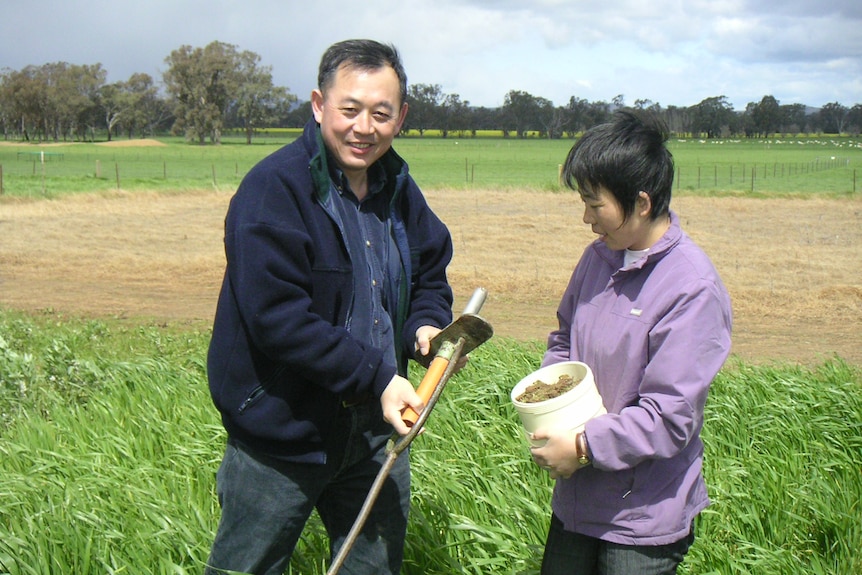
column 470, row 326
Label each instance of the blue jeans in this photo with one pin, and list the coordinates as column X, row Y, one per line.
column 568, row 553
column 266, row 502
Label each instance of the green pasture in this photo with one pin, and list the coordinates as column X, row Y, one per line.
column 109, row 446
column 779, row 166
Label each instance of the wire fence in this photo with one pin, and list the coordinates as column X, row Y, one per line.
column 29, row 173
column 751, row 177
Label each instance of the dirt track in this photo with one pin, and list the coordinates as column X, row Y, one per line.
column 792, row 266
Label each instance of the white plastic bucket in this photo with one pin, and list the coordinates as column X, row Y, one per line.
column 569, row 411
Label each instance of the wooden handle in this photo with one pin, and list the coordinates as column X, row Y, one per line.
column 426, row 388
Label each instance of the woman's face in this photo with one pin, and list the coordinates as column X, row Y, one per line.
column 604, row 214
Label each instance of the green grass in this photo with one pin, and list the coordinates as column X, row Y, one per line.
column 109, row 446
column 773, row 167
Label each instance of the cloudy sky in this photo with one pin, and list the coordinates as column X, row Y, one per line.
column 670, row 52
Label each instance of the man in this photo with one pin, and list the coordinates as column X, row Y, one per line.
column 336, row 275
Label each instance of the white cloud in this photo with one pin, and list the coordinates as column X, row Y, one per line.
column 674, row 52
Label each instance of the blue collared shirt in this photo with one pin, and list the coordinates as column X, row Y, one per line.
column 376, row 265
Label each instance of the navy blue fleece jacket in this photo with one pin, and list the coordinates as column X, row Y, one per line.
column 280, row 358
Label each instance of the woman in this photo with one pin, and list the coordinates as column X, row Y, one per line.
column 647, row 311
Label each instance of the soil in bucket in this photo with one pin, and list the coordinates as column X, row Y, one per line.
column 542, row 391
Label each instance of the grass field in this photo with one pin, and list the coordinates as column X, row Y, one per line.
column 776, row 166
column 109, row 447
column 109, row 443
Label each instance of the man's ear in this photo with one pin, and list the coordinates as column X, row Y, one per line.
column 317, row 104
column 402, row 116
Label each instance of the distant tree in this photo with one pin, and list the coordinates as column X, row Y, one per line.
column 147, row 112
column 711, row 116
column 299, row 114
column 598, row 112
column 552, row 120
column 454, row 115
column 424, row 102
column 483, row 118
column 576, row 112
column 18, row 92
column 520, row 110
column 765, row 116
column 202, row 82
column 114, row 105
column 793, row 119
column 833, row 118
column 53, row 101
column 854, row 120
column 678, row 119
column 258, row 103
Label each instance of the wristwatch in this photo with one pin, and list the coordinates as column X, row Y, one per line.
column 582, row 448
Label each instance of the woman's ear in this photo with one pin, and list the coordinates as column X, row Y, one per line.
column 644, row 204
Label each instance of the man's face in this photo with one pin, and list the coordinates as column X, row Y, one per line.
column 359, row 116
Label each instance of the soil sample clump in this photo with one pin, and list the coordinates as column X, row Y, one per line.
column 541, row 391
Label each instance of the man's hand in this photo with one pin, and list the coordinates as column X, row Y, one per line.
column 398, row 395
column 424, row 335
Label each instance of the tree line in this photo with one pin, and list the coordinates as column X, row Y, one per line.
column 207, row 91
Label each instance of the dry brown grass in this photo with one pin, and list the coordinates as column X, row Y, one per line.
column 792, row 266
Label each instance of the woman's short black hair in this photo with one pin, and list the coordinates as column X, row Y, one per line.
column 625, row 156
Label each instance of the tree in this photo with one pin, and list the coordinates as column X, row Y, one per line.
column 678, row 119
column 576, row 112
column 454, row 115
column 765, row 116
column 854, row 120
column 258, row 103
column 833, row 117
column 793, row 118
column 147, row 112
column 201, row 81
column 299, row 114
column 711, row 116
column 113, row 104
column 424, row 101
column 597, row 113
column 551, row 120
column 520, row 111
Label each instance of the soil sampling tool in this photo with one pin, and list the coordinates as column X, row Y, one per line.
column 455, row 341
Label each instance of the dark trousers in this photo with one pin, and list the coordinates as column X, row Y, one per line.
column 266, row 502
column 568, row 553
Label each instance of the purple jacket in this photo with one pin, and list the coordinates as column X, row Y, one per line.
column 655, row 335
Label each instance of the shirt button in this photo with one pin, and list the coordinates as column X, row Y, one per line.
column 374, row 282
column 368, row 243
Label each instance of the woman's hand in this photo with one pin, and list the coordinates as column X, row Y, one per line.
column 559, row 454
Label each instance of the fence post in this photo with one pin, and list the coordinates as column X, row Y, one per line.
column 117, row 170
